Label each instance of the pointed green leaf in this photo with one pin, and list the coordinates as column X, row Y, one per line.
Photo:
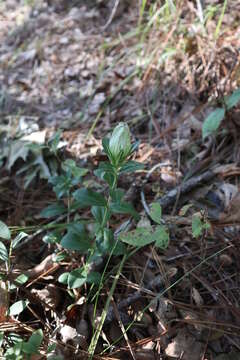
column 76, row 238
column 161, row 237
column 94, row 278
column 17, row 307
column 53, row 210
column 138, row 237
column 156, row 212
column 77, row 278
column 63, row 278
column 124, row 208
column 34, row 342
column 233, row 99
column 22, row 235
column 87, row 197
column 197, row 226
column 4, row 231
column 3, row 252
column 212, row 122
column 131, row 166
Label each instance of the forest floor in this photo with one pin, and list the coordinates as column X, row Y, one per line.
column 82, row 67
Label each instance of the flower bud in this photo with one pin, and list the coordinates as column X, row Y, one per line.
column 120, row 142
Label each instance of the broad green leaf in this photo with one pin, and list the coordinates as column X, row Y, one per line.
column 197, row 226
column 4, row 231
column 156, row 212
column 105, row 167
column 87, row 197
column 76, row 238
column 212, row 122
column 20, row 280
column 53, row 210
column 138, row 237
column 76, row 171
column 161, row 237
column 119, row 249
column 54, row 141
column 105, row 172
column 50, row 349
column 63, row 278
column 34, row 342
column 233, row 99
column 124, row 208
column 131, row 166
column 60, row 257
column 77, row 278
column 117, row 195
column 22, row 235
column 120, row 142
column 3, row 252
column 62, row 184
column 17, row 307
column 53, row 237
column 105, row 144
column 98, row 213
column 18, row 149
column 94, row 278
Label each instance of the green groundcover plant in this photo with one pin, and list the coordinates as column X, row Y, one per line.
column 94, row 238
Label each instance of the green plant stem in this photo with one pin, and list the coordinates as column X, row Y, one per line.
column 103, row 225
column 95, row 337
column 219, row 24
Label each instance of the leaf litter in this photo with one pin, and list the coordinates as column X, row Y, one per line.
column 60, row 68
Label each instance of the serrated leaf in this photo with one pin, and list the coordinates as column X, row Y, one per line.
column 3, row 252
column 138, row 237
column 212, row 122
column 233, row 99
column 53, row 210
column 87, row 197
column 156, row 212
column 4, row 231
column 17, row 307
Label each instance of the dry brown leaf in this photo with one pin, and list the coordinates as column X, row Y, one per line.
column 197, row 297
column 185, row 346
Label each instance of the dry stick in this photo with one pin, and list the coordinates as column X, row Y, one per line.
column 172, row 195
column 132, row 298
column 113, row 13
column 184, row 188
